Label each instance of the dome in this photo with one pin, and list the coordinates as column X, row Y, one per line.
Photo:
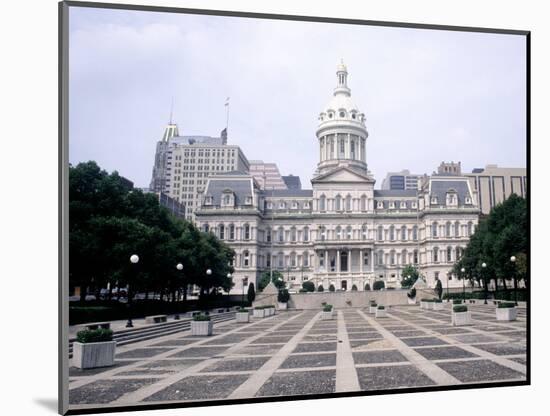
column 341, row 102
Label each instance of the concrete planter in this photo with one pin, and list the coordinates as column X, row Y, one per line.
column 259, row 313
column 423, row 305
column 282, row 306
column 507, row 314
column 326, row 316
column 272, row 311
column 94, row 354
column 201, row 328
column 461, row 318
column 380, row 313
column 372, row 309
column 437, row 306
column 411, row 301
column 242, row 317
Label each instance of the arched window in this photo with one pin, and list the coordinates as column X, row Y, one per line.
column 415, row 233
column 231, row 232
column 338, row 203
column 281, row 233
column 348, row 203
column 415, row 256
column 205, row 228
column 280, row 260
column 305, row 259
column 457, row 229
column 434, row 229
column 363, row 203
column 305, row 234
column 353, row 149
column 282, row 205
column 322, row 203
column 221, row 232
column 322, row 233
column 366, row 259
column 448, row 229
column 403, row 233
column 380, row 258
column 246, row 258
column 436, row 255
column 449, row 254
column 404, row 256
column 293, row 259
column 364, row 232
column 392, row 257
column 392, row 233
column 268, row 235
column 348, row 232
column 380, row 234
column 338, row 233
column 293, row 234
column 470, row 228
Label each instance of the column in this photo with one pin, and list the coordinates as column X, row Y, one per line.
column 338, row 261
column 349, row 260
column 326, row 261
column 371, row 258
column 361, row 261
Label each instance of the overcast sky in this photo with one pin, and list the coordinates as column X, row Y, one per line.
column 429, row 96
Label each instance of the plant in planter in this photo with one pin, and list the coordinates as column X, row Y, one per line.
column 460, row 315
column 201, row 325
column 437, row 305
column 242, row 315
column 327, row 312
column 259, row 312
column 271, row 309
column 506, row 311
column 282, row 298
column 380, row 311
column 94, row 348
column 372, row 307
column 457, row 301
column 411, row 296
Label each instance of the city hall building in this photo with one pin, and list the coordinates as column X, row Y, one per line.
column 342, row 231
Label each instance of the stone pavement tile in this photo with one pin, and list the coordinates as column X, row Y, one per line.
column 172, row 364
column 452, row 331
column 409, row 333
column 201, row 387
column 392, row 377
column 371, row 344
column 307, row 361
column 199, row 352
column 521, row 360
column 479, row 370
column 320, row 337
column 228, row 339
column 503, row 349
column 473, row 338
column 236, row 364
column 105, row 391
column 142, row 352
column 443, row 353
column 148, row 372
column 299, row 382
column 258, row 349
column 421, row 341
column 489, row 328
column 315, row 346
column 178, row 342
column 364, row 335
column 376, row 357
column 272, row 340
column 79, row 372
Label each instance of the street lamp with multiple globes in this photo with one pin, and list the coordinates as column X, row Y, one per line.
column 483, row 266
column 134, row 258
column 513, row 260
column 179, row 266
column 463, row 270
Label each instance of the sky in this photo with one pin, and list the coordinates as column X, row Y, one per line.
column 428, row 95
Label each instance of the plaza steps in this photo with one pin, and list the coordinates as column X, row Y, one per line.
column 132, row 335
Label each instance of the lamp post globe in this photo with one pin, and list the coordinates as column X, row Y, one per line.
column 513, row 260
column 179, row 266
column 462, row 271
column 208, row 272
column 134, row 258
column 485, row 288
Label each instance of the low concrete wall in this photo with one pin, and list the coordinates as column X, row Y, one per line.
column 351, row 299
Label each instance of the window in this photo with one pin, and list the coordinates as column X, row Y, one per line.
column 380, row 234
column 366, row 259
column 470, row 228
column 294, row 205
column 280, row 260
column 363, row 203
column 403, row 233
column 448, row 229
column 392, row 233
column 322, row 233
column 380, row 205
column 338, row 203
column 434, row 229
column 415, row 256
column 281, row 235
column 392, row 205
column 348, row 203
column 449, row 256
column 322, row 203
column 247, row 232
column 415, row 233
column 205, row 228
column 342, row 114
column 305, row 259
column 348, row 232
column 392, row 257
column 353, row 148
column 221, row 232
column 231, row 232
column 282, row 205
column 380, row 258
column 248, row 200
column 246, row 258
column 404, row 257
column 436, row 255
column 457, row 229
column 293, row 259
column 321, row 259
column 434, row 200
column 364, row 232
column 293, row 234
column 403, row 205
column 338, row 233
column 268, row 235
column 306, row 234
column 268, row 260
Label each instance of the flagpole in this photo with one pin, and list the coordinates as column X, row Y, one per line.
column 227, row 114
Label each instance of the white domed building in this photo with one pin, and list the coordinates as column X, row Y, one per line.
column 342, row 232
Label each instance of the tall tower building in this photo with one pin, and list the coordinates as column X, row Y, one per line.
column 158, row 178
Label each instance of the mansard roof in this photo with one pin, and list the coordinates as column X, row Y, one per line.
column 240, row 188
column 439, row 189
column 398, row 193
column 288, row 193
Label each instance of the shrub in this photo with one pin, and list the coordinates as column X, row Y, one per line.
column 381, row 307
column 378, row 285
column 243, row 310
column 460, row 308
column 308, row 286
column 412, row 293
column 302, row 290
column 94, row 335
column 201, row 317
column 331, row 288
column 506, row 305
column 437, row 301
column 323, row 303
column 327, row 308
column 251, row 294
column 367, row 286
column 372, row 301
column 457, row 301
column 373, row 304
column 283, row 296
column 320, row 288
column 354, row 288
column 390, row 288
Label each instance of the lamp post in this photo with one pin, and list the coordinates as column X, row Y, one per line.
column 484, row 276
column 463, row 286
column 448, row 277
column 179, row 266
column 134, row 258
column 513, row 260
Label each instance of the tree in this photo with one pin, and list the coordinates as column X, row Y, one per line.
column 409, row 275
column 331, row 288
column 378, row 285
column 277, row 280
column 309, row 286
column 438, row 288
column 251, row 295
column 320, row 288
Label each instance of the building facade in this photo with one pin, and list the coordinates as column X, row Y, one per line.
column 341, row 232
column 401, row 180
column 267, row 174
column 494, row 184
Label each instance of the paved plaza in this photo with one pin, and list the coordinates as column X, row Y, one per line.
column 297, row 353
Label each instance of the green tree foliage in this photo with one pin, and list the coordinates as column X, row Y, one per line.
column 409, row 275
column 277, row 280
column 251, row 294
column 109, row 221
column 378, row 285
column 502, row 234
column 308, row 286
